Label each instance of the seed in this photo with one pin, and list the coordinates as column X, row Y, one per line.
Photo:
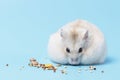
column 65, row 66
column 94, row 68
column 30, row 64
column 7, row 65
column 35, row 63
column 90, row 67
column 63, row 72
column 102, row 71
column 58, row 65
column 32, row 59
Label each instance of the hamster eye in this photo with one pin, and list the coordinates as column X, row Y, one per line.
column 68, row 50
column 80, row 50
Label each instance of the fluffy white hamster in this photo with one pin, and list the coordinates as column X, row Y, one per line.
column 78, row 42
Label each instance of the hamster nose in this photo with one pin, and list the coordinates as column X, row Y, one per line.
column 76, row 59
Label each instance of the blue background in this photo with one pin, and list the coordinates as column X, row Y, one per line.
column 25, row 27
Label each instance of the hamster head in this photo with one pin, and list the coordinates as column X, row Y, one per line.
column 74, row 42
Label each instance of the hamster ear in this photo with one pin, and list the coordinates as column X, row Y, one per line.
column 85, row 35
column 62, row 33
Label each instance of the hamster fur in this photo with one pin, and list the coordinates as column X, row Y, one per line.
column 78, row 42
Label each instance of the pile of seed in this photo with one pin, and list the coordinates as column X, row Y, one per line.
column 34, row 63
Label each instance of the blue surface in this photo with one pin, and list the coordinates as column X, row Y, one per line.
column 25, row 26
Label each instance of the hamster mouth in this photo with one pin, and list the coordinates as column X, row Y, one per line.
column 74, row 60
column 74, row 63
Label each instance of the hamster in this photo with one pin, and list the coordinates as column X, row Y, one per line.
column 78, row 42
